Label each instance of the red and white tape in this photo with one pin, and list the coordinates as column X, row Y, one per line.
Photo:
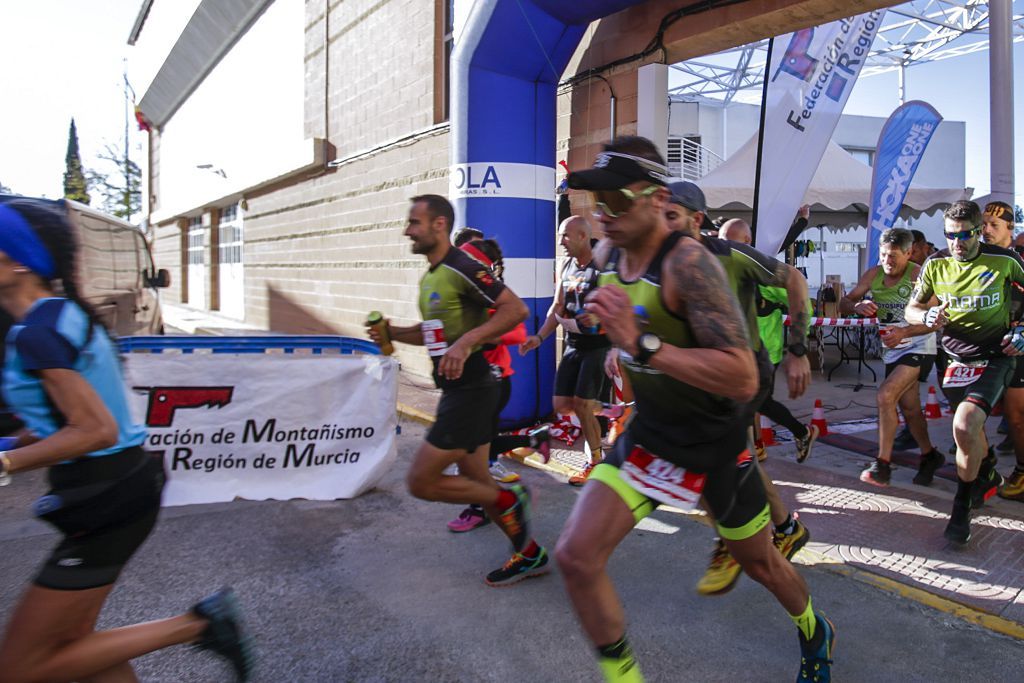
column 838, row 322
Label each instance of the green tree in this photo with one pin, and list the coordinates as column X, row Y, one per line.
column 75, row 185
column 120, row 190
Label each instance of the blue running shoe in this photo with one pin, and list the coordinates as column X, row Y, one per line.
column 223, row 634
column 816, row 665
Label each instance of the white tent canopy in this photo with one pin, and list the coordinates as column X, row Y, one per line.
column 841, row 185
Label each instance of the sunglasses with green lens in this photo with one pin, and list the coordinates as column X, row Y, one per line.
column 614, row 203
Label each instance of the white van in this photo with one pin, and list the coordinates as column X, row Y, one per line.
column 116, row 272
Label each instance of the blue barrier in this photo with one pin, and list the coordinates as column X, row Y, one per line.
column 505, row 72
column 315, row 344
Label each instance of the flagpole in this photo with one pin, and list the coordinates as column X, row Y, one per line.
column 127, row 170
column 760, row 142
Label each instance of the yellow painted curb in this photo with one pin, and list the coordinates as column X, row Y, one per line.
column 970, row 614
column 415, row 414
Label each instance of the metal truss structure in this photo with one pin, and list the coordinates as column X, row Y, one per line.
column 916, row 32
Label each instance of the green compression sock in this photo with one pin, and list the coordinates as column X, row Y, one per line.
column 806, row 621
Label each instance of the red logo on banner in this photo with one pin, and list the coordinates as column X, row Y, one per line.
column 164, row 401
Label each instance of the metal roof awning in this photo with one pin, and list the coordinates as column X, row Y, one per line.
column 210, row 34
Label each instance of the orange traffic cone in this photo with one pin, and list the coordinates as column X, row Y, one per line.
column 818, row 418
column 932, row 411
column 767, row 433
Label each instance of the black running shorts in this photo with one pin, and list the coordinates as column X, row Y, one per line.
column 924, row 362
column 465, row 417
column 1017, row 381
column 987, row 389
column 581, row 374
column 102, row 532
column 733, row 491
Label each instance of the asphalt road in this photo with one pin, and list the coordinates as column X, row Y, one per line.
column 375, row 589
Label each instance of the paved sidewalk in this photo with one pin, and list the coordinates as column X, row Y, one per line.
column 888, row 537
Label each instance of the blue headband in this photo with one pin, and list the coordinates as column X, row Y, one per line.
column 19, row 241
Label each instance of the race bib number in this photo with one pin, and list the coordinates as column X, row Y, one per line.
column 661, row 480
column 433, row 338
column 962, row 374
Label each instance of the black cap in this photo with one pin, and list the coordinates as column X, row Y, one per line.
column 615, row 170
column 685, row 193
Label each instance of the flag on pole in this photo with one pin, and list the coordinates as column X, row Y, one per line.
column 901, row 144
column 811, row 75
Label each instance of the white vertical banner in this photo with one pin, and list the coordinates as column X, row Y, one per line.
column 266, row 426
column 811, row 75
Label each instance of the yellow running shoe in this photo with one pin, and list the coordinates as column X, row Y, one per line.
column 722, row 573
column 1013, row 488
column 624, row 670
column 790, row 544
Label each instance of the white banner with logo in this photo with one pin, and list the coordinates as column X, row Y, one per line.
column 812, row 73
column 501, row 179
column 266, row 426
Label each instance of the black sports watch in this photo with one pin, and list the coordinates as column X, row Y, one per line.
column 798, row 349
column 647, row 344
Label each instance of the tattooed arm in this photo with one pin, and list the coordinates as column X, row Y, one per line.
column 695, row 288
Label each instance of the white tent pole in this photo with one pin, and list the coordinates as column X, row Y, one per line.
column 1000, row 76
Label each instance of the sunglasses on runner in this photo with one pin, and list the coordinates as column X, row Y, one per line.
column 961, row 236
column 614, row 203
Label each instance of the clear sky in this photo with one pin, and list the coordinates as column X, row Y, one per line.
column 63, row 58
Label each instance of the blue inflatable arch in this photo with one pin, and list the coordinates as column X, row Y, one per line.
column 505, row 71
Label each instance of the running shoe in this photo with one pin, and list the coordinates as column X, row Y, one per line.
column 1013, row 488
column 502, row 474
column 804, row 445
column 722, row 573
column 580, row 478
column 987, row 483
column 515, row 521
column 903, row 440
column 878, row 473
column 540, row 442
column 816, row 665
column 621, row 669
column 1005, row 447
column 519, row 567
column 469, row 519
column 930, row 463
column 223, row 635
column 959, row 528
column 790, row 544
column 617, row 426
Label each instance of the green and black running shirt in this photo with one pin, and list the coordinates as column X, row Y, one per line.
column 746, row 268
column 978, row 294
column 455, row 297
column 671, row 415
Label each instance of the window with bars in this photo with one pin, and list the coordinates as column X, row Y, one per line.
column 230, row 234
column 196, row 235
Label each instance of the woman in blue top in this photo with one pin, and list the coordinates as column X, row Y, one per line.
column 63, row 379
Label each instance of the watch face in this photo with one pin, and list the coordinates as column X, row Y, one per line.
column 650, row 342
